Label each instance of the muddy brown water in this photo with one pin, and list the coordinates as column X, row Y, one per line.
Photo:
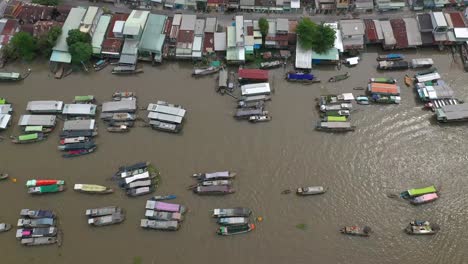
column 395, row 147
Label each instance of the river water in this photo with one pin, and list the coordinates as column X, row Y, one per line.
column 395, row 147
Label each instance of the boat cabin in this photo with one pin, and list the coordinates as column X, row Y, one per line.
column 37, row 120
column 44, row 107
column 79, row 109
column 255, row 89
column 80, row 125
column 165, row 117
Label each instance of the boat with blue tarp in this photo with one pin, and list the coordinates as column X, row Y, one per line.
column 301, row 77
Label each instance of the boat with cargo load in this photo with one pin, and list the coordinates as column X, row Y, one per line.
column 335, row 113
column 362, row 100
column 78, row 152
column 235, row 229
column 271, row 64
column 385, row 99
column 421, row 63
column 219, row 175
column 255, row 98
column 164, row 126
column 452, row 113
column 311, row 190
column 247, row 113
column 197, row 72
column 46, row 189
column 390, row 57
column 251, row 105
column 425, row 198
column 108, row 210
column 123, row 94
column 165, row 207
column 118, row 129
column 4, row 227
column 35, row 214
column 393, row 65
column 112, row 219
column 301, row 77
column 334, row 126
column 330, row 118
column 159, row 225
column 383, row 80
column 418, row 227
column 356, row 230
column 29, row 138
column 100, row 64
column 231, row 212
column 228, row 221
column 34, row 183
column 37, row 129
column 163, row 216
column 78, row 133
column 336, row 107
column 139, row 191
column 259, row 118
column 36, row 232
column 39, row 222
column 123, row 70
column 73, row 140
column 418, row 192
column 163, row 197
column 136, row 184
column 214, row 190
column 38, row 241
column 92, row 188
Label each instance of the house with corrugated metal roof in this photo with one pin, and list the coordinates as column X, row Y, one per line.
column 374, row 33
column 352, row 32
column 364, row 5
column 197, row 48
column 389, row 39
column 135, row 24
column 412, row 32
column 186, row 34
column 235, row 52
column 100, row 34
column 90, row 20
column 113, row 42
column 208, row 38
column 152, row 39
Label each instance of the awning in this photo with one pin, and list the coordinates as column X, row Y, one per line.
column 60, row 56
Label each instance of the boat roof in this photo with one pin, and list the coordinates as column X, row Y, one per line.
column 28, row 137
column 165, row 109
column 33, row 128
column 254, row 74
column 44, row 106
column 79, row 98
column 4, row 120
column 255, row 89
column 70, row 125
column 421, row 191
column 165, row 117
column 9, row 75
column 37, row 120
column 79, row 109
column 119, row 106
column 335, row 124
column 336, row 118
column 453, row 112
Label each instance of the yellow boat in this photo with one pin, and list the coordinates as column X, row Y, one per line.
column 93, row 188
column 409, row 81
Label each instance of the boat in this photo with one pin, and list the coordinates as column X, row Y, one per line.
column 426, row 72
column 136, row 184
column 140, row 191
column 393, row 65
column 214, row 190
column 165, row 207
column 383, row 80
column 84, row 99
column 205, row 71
column 340, row 77
column 356, row 230
column 32, row 223
column 163, row 197
column 409, row 81
column 108, row 210
column 227, row 221
column 421, row 63
column 59, row 72
column 28, row 138
column 232, row 212
column 105, row 220
column 38, row 241
column 78, row 152
column 259, row 118
column 46, row 189
column 35, row 214
column 117, row 96
column 92, row 188
column 336, row 107
column 36, row 232
column 311, row 190
column 3, row 176
column 216, row 183
column 4, row 227
column 100, row 64
column 159, row 225
column 247, row 113
column 235, row 229
column 79, row 133
column 336, row 113
column 34, row 183
column 330, row 118
column 270, row 64
column 425, row 198
column 143, row 176
column 334, row 126
column 37, row 129
column 73, row 140
column 390, row 57
column 219, row 175
column 75, row 146
column 253, row 104
column 115, row 123
column 118, row 129
column 254, row 98
column 164, row 126
column 13, row 76
column 362, row 100
column 163, row 216
column 301, row 77
column 385, row 99
column 418, row 227
column 120, row 117
column 418, row 192
column 126, row 70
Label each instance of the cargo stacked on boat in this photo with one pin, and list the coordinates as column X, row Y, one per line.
column 163, row 216
column 137, row 179
column 392, row 62
column 213, row 183
column 166, row 117
column 45, row 186
column 120, row 113
column 255, row 94
column 233, row 221
column 40, row 122
column 103, row 216
column 38, row 227
column 335, row 113
column 420, row 195
column 5, row 114
column 79, row 127
column 384, row 91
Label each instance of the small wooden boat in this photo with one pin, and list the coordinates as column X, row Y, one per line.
column 228, row 221
column 311, row 190
column 235, row 229
column 13, row 76
column 219, row 175
column 214, row 190
column 108, row 210
column 125, row 70
column 163, row 197
column 36, row 232
column 383, row 80
column 426, row 198
column 37, row 129
column 59, row 72
column 409, row 81
column 46, row 189
column 301, row 77
column 418, row 192
column 28, row 138
column 92, row 188
column 159, row 225
column 35, row 214
column 197, row 72
column 118, row 129
column 362, row 100
column 73, row 140
column 105, row 220
column 232, row 212
column 77, row 146
column 3, row 176
column 124, row 94
column 390, row 57
column 84, row 99
column 35, row 183
column 100, row 64
column 356, row 230
column 38, row 241
column 418, row 227
column 359, row 88
column 393, row 65
column 32, row 223
column 78, row 152
column 140, row 191
column 163, row 216
column 259, row 118
column 4, row 227
column 271, row 64
column 340, row 77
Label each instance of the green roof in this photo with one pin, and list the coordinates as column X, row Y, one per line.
column 152, row 39
column 2, row 101
column 50, row 188
column 100, row 33
column 84, row 98
column 421, row 191
column 231, row 37
column 28, row 137
column 336, row 118
column 33, row 129
column 331, row 55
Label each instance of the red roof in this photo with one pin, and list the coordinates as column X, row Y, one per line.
column 30, row 14
column 384, row 88
column 42, row 27
column 250, row 31
column 185, row 36
column 457, row 20
column 168, row 26
column 112, row 45
column 115, row 17
column 371, row 32
column 208, row 42
column 10, row 27
column 399, row 31
column 253, row 74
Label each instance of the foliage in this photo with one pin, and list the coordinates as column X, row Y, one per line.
column 46, row 2
column 47, row 41
column 320, row 38
column 80, row 52
column 24, row 46
column 75, row 36
column 137, row 260
column 301, row 226
column 263, row 25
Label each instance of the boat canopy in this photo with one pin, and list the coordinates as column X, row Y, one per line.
column 336, row 118
column 33, row 129
column 28, row 137
column 300, row 76
column 84, row 98
column 421, row 191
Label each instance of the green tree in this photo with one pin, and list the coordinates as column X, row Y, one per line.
column 46, row 2
column 24, row 46
column 80, row 52
column 320, row 38
column 263, row 25
column 75, row 36
column 47, row 41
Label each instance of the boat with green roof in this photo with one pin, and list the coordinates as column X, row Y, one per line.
column 383, row 80
column 28, row 138
column 418, row 192
column 37, row 129
column 84, row 99
column 46, row 189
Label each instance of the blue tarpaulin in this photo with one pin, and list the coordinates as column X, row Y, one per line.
column 300, row 76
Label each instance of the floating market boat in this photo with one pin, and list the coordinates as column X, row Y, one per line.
column 121, row 123
column 137, row 184
column 390, row 57
column 34, row 183
column 425, row 198
column 214, row 190
column 3, row 176
column 254, row 98
column 426, row 72
column 219, row 175
column 160, row 225
column 92, row 188
column 235, row 229
column 78, row 152
column 227, row 221
column 164, row 126
column 46, row 189
column 78, row 133
column 334, row 126
column 13, row 76
column 37, row 129
column 336, row 113
column 393, row 65
column 123, row 94
column 4, row 227
column 254, row 104
column 39, row 222
column 336, row 107
column 216, row 183
column 418, row 227
column 100, row 64
column 259, row 118
column 143, row 176
column 38, row 241
column 163, row 216
column 118, row 129
column 311, row 190
column 421, row 63
column 108, row 210
column 383, row 80
column 340, row 77
column 36, row 232
column 356, row 230
column 126, row 171
column 84, row 99
column 163, row 197
column 362, row 100
column 232, row 212
column 124, row 70
column 165, row 207
column 418, row 192
column 35, row 214
column 271, row 64
column 28, row 138
column 385, row 99
column 301, row 77
column 197, row 72
column 73, row 140
column 409, row 81
column 330, row 118
column 78, row 146
column 105, row 220
column 140, row 191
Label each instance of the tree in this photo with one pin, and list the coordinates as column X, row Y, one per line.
column 47, row 41
column 320, row 38
column 263, row 25
column 46, row 2
column 80, row 52
column 24, row 46
column 75, row 36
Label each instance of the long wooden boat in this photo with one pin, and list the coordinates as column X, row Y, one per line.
column 84, row 99
column 28, row 138
column 68, row 134
column 36, row 232
column 418, row 227
column 232, row 212
column 77, row 146
column 159, row 225
column 334, row 126
column 271, row 64
column 108, row 210
column 229, row 221
column 259, row 118
column 105, row 220
column 235, row 229
column 4, row 227
column 126, row 70
column 383, row 80
column 425, row 198
column 214, row 190
column 163, row 216
column 300, row 77
column 78, row 152
column 219, row 175
column 390, row 57
column 13, row 76
column 165, row 207
column 137, row 184
column 39, row 241
column 163, row 197
column 46, row 189
column 118, row 129
column 73, row 140
column 140, row 191
column 393, row 65
column 356, row 230
column 197, row 72
column 418, row 192
column 32, row 223
column 37, row 129
column 4, row 176
column 340, row 77
column 35, row 183
column 311, row 190
column 92, row 188
column 35, row 214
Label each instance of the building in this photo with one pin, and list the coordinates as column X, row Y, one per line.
column 60, row 52
column 374, row 34
column 389, row 39
column 185, row 38
column 100, row 34
column 42, row 27
column 135, row 24
column 197, row 48
column 352, row 32
column 90, row 20
column 439, row 22
column 399, row 32
column 331, row 56
column 412, row 32
column 220, row 44
column 303, row 58
column 388, row 5
column 153, row 38
column 8, row 28
column 208, row 39
column 113, row 42
column 364, row 5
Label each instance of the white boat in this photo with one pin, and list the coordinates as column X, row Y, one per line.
column 112, row 219
column 160, row 225
column 4, row 227
column 233, row 221
column 259, row 118
column 311, row 190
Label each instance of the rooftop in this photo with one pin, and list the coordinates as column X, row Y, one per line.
column 188, row 22
column 73, row 22
column 153, row 38
column 352, row 27
column 100, row 33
